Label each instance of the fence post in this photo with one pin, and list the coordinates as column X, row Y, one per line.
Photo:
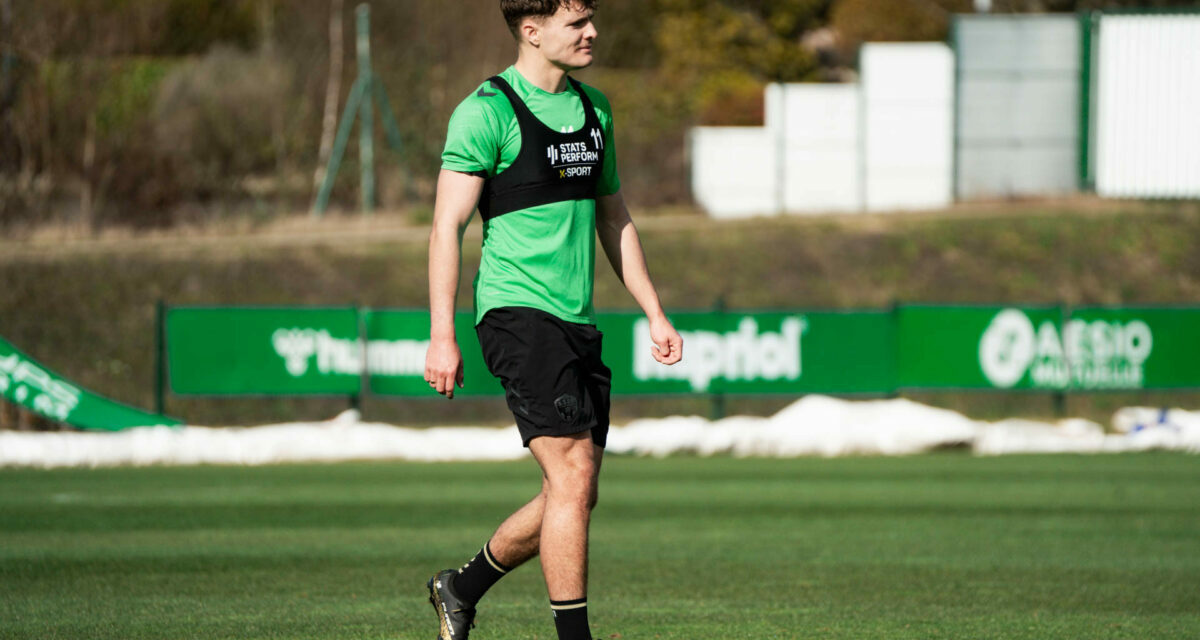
column 160, row 360
column 895, row 353
column 366, row 127
column 364, row 379
column 1059, row 397
column 1087, row 24
column 716, row 398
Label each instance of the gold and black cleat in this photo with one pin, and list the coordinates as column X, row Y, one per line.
column 455, row 617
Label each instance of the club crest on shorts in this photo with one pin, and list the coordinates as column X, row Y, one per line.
column 568, row 407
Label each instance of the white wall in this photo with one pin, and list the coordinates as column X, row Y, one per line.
column 817, row 128
column 1148, row 107
column 734, row 171
column 908, row 125
column 883, row 145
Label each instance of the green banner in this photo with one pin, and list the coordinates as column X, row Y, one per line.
column 941, row 347
column 263, row 351
column 1133, row 348
column 745, row 353
column 26, row 383
column 298, row 351
column 1095, row 349
column 396, row 346
column 318, row 351
column 726, row 353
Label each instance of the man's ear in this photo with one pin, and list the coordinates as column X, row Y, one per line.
column 531, row 32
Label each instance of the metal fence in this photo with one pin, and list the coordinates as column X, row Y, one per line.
column 1017, row 119
column 1146, row 97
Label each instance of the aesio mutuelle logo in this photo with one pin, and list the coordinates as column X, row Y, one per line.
column 1088, row 355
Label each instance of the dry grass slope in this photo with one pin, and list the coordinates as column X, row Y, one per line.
column 85, row 306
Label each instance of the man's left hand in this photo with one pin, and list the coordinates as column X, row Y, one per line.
column 668, row 345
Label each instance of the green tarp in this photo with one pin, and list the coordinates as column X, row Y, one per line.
column 26, row 383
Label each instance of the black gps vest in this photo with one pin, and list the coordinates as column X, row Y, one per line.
column 551, row 166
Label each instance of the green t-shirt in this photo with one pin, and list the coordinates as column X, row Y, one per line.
column 545, row 256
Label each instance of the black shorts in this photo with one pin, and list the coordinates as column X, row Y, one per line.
column 554, row 381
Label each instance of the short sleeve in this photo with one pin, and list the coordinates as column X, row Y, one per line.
column 610, row 180
column 472, row 138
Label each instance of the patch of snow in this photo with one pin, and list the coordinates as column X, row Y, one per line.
column 812, row 426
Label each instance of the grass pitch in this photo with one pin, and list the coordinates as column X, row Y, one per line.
column 935, row 546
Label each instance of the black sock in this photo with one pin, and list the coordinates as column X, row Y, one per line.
column 570, row 618
column 478, row 575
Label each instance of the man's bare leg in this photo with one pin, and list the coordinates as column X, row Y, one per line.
column 518, row 539
column 569, row 466
column 515, row 542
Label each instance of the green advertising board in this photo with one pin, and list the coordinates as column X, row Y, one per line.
column 1133, row 348
column 263, row 351
column 773, row 352
column 26, row 383
column 316, row 351
column 224, row 351
column 1037, row 348
column 941, row 347
column 747, row 353
column 396, row 346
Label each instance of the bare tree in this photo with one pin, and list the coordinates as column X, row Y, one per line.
column 333, row 90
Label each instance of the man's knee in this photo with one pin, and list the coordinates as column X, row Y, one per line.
column 574, row 480
column 569, row 466
column 580, row 488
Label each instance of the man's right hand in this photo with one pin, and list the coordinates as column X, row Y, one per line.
column 444, row 367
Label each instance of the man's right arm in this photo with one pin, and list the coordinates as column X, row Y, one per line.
column 457, row 196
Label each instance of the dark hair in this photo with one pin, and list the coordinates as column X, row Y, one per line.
column 517, row 10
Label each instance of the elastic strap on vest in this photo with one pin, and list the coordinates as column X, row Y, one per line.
column 515, row 197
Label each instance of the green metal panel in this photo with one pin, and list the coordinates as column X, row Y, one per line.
column 263, row 351
column 976, row 347
column 1134, row 348
column 160, row 357
column 26, row 383
column 772, row 352
column 1087, row 25
column 396, row 346
column 748, row 353
column 318, row 351
column 1035, row 348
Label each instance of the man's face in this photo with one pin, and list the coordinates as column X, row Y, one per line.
column 566, row 37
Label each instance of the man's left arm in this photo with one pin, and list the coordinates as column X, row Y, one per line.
column 621, row 244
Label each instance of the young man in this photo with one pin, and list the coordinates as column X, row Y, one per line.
column 532, row 149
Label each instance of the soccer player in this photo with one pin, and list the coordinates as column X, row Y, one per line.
column 532, row 149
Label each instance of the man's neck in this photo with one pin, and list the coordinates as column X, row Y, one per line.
column 541, row 73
